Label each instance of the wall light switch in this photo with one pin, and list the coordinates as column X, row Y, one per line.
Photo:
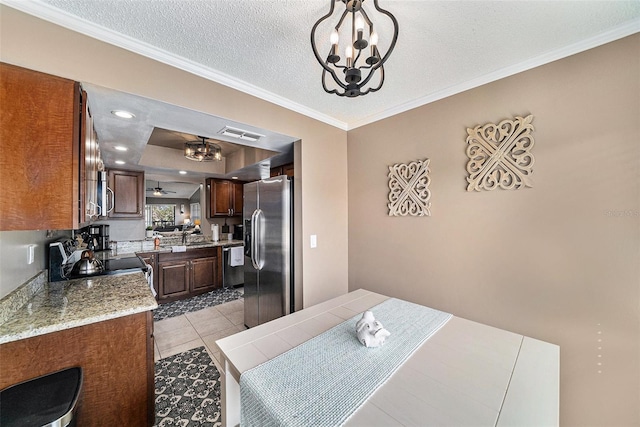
column 313, row 241
column 32, row 254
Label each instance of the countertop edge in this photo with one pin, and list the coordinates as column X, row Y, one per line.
column 73, row 324
column 79, row 302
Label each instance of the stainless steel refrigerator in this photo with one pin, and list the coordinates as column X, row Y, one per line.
column 267, row 219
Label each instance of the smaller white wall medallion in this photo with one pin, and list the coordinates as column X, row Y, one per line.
column 500, row 155
column 409, row 189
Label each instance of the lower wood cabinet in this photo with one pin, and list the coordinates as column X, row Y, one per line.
column 184, row 274
column 116, row 357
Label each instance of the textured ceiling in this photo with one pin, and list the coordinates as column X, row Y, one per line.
column 263, row 47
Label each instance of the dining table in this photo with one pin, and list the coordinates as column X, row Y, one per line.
column 435, row 369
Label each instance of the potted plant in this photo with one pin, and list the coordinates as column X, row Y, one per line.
column 149, row 231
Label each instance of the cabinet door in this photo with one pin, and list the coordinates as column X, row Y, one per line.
column 90, row 159
column 204, row 272
column 224, row 198
column 220, row 197
column 173, row 278
column 128, row 193
column 238, row 192
column 40, row 187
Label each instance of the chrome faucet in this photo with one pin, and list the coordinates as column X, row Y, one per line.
column 184, row 237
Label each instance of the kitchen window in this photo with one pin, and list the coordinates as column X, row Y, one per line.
column 160, row 216
column 195, row 211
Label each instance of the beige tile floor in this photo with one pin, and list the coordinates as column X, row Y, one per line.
column 199, row 328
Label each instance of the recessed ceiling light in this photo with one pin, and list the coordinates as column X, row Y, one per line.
column 119, row 162
column 182, row 172
column 120, row 148
column 123, row 114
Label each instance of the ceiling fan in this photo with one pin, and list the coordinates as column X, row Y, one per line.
column 158, row 191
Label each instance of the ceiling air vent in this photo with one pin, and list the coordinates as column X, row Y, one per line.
column 239, row 133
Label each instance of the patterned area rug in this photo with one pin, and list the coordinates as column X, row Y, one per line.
column 187, row 390
column 176, row 308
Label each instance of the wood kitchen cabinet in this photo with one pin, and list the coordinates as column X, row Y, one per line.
column 90, row 155
column 116, row 357
column 128, row 193
column 224, row 198
column 43, row 125
column 282, row 170
column 184, row 274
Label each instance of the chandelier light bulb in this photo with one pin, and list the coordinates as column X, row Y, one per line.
column 348, row 53
column 334, row 37
column 333, row 55
column 359, row 43
column 373, row 39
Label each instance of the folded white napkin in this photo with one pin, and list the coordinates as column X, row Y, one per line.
column 178, row 248
column 370, row 332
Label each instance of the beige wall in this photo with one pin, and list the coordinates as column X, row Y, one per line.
column 14, row 247
column 559, row 261
column 39, row 45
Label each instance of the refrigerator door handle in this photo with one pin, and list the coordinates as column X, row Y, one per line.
column 256, row 239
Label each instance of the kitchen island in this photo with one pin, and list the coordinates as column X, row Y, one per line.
column 103, row 324
column 466, row 373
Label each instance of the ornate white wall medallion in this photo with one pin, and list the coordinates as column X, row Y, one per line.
column 500, row 155
column 409, row 189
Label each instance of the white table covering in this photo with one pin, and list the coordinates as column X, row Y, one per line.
column 326, row 379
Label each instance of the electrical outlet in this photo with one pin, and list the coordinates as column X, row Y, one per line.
column 31, row 257
column 313, row 241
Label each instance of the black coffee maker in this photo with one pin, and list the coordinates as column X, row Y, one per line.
column 237, row 232
column 99, row 237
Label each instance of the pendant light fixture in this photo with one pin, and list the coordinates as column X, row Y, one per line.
column 362, row 58
column 202, row 150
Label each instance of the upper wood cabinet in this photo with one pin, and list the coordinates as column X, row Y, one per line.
column 128, row 193
column 90, row 156
column 282, row 170
column 224, row 198
column 41, row 168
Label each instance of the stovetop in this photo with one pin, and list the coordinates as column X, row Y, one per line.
column 113, row 266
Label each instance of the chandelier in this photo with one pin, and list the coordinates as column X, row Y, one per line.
column 360, row 64
column 202, row 150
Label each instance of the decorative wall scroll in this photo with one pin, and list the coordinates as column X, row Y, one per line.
column 500, row 155
column 409, row 189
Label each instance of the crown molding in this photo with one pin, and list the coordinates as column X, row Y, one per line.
column 48, row 13
column 56, row 16
column 622, row 31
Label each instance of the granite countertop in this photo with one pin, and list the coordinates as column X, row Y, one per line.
column 68, row 304
column 166, row 247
